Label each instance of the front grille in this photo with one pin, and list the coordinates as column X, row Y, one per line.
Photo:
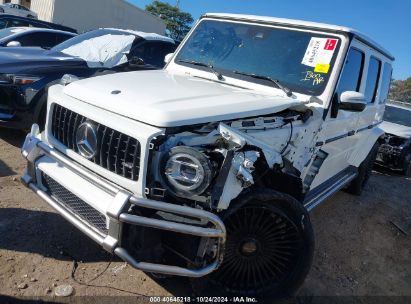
column 75, row 204
column 117, row 152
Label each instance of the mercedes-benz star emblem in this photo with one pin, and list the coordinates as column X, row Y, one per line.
column 86, row 140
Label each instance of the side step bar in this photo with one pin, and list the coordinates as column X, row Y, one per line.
column 336, row 184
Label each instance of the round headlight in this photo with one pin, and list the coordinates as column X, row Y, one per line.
column 187, row 172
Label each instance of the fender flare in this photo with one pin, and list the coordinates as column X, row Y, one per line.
column 363, row 147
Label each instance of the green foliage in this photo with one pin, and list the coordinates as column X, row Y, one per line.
column 401, row 90
column 178, row 23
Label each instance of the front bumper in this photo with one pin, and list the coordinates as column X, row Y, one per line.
column 113, row 203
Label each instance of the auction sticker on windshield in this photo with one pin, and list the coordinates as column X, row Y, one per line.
column 319, row 53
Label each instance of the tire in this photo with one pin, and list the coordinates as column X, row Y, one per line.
column 269, row 249
column 364, row 172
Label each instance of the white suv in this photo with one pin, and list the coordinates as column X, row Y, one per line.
column 208, row 168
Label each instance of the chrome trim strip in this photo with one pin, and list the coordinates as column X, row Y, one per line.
column 165, row 269
column 182, row 210
column 171, row 226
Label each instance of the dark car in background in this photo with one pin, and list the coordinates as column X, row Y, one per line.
column 27, row 73
column 395, row 152
column 33, row 37
column 7, row 21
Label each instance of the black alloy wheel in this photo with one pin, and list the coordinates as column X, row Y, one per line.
column 269, row 247
column 262, row 248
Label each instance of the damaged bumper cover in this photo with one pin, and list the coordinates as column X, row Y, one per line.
column 43, row 160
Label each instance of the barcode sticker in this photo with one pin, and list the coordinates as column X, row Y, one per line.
column 319, row 51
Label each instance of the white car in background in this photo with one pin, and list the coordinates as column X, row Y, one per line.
column 18, row 10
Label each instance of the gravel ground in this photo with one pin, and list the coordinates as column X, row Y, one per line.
column 359, row 249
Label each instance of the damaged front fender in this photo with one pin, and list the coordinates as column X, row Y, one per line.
column 237, row 140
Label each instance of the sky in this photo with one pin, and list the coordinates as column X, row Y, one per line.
column 388, row 22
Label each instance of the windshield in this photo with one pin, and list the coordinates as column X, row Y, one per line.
column 9, row 31
column 100, row 48
column 398, row 116
column 301, row 61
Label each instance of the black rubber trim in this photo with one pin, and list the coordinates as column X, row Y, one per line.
column 336, row 138
column 351, row 133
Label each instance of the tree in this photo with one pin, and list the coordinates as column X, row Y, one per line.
column 401, row 90
column 178, row 23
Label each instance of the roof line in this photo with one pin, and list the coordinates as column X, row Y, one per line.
column 303, row 24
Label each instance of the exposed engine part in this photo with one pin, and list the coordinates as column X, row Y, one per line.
column 238, row 140
column 239, row 177
column 213, row 163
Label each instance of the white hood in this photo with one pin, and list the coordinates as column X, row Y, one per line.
column 395, row 129
column 163, row 99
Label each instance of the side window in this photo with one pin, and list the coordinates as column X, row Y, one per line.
column 385, row 83
column 373, row 77
column 23, row 8
column 44, row 40
column 17, row 23
column 153, row 52
column 351, row 75
column 62, row 37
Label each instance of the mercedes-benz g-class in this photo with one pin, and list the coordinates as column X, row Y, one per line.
column 208, row 169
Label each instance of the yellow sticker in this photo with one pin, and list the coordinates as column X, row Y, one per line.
column 322, row 68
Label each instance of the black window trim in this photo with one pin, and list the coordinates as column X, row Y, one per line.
column 333, row 103
column 386, row 63
column 378, row 80
column 361, row 74
column 360, row 77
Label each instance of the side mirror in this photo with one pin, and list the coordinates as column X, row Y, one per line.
column 352, row 101
column 136, row 62
column 168, row 57
column 14, row 44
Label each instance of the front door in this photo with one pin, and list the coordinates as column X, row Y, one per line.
column 338, row 135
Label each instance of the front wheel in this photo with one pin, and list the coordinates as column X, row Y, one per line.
column 269, row 248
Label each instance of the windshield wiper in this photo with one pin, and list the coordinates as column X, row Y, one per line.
column 262, row 77
column 209, row 66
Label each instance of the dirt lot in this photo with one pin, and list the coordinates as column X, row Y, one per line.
column 359, row 251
